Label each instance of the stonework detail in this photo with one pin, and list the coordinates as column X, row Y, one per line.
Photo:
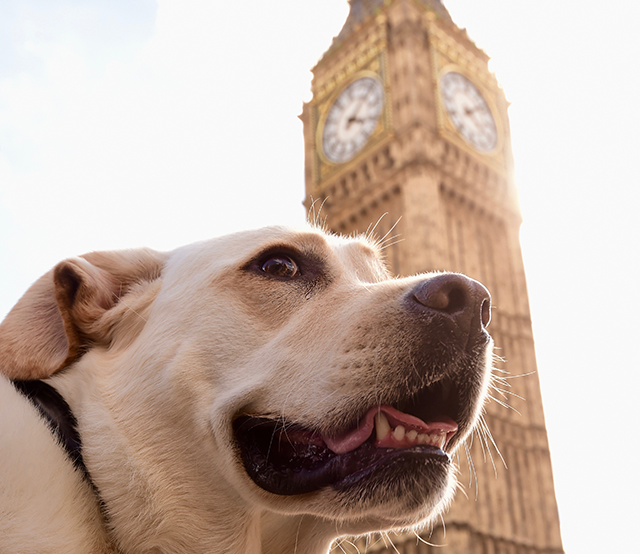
column 440, row 204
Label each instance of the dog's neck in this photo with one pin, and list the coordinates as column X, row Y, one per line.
column 55, row 410
column 294, row 534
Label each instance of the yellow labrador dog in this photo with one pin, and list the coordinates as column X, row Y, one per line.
column 263, row 392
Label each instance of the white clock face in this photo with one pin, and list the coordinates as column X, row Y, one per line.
column 468, row 111
column 352, row 119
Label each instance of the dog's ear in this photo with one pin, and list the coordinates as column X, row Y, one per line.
column 55, row 320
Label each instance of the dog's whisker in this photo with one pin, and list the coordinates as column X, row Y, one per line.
column 389, row 241
column 504, row 393
column 273, row 434
column 388, row 538
column 461, row 489
column 444, row 527
column 504, row 404
column 313, row 216
column 508, row 375
column 431, row 530
column 369, row 235
column 381, row 244
column 493, row 463
column 385, row 246
column 284, row 421
column 482, row 445
column 489, row 435
column 388, row 237
column 351, row 543
column 473, row 476
column 390, row 230
column 371, row 230
column 496, row 380
column 420, row 539
column 379, row 539
column 338, row 544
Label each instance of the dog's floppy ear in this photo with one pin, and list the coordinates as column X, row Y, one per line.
column 55, row 319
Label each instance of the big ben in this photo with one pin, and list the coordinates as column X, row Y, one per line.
column 408, row 131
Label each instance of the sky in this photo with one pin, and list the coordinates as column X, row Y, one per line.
column 128, row 123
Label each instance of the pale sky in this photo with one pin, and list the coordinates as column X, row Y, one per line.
column 139, row 122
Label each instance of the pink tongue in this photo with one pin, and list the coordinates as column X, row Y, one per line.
column 353, row 439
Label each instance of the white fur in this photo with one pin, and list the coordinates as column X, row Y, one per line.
column 181, row 355
column 45, row 504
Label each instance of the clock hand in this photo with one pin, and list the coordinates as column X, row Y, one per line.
column 354, row 118
column 475, row 114
column 361, row 120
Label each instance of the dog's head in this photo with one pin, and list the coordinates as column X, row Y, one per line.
column 281, row 370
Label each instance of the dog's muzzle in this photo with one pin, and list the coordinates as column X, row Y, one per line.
column 411, row 433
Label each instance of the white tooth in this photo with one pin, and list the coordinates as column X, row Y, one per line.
column 382, row 426
column 411, row 435
column 398, row 432
column 422, row 438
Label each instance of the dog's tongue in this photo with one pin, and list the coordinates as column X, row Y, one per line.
column 351, row 440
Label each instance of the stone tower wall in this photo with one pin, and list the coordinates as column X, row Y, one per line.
column 443, row 206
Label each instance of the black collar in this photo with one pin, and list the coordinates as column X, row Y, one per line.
column 58, row 414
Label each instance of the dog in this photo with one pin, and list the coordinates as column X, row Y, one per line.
column 263, row 392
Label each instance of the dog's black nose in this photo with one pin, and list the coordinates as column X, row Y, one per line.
column 463, row 300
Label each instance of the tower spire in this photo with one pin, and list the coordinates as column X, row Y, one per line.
column 361, row 10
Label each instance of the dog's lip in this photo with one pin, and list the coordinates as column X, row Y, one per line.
column 354, row 438
column 288, row 459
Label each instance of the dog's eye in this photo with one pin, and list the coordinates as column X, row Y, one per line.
column 280, row 266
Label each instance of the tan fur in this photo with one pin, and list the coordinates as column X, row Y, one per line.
column 46, row 329
column 157, row 353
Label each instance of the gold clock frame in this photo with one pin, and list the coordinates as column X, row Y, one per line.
column 446, row 126
column 449, row 53
column 370, row 60
column 323, row 113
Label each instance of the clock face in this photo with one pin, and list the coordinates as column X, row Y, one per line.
column 352, row 119
column 468, row 111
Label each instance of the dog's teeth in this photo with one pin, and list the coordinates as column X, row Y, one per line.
column 382, row 426
column 406, row 437
column 398, row 432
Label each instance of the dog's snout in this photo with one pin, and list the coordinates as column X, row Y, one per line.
column 464, row 300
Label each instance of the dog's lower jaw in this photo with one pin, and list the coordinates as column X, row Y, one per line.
column 334, row 515
column 281, row 534
column 291, row 534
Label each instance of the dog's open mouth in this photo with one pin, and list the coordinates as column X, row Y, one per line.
column 285, row 458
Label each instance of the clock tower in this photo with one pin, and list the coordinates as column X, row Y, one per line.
column 408, row 131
